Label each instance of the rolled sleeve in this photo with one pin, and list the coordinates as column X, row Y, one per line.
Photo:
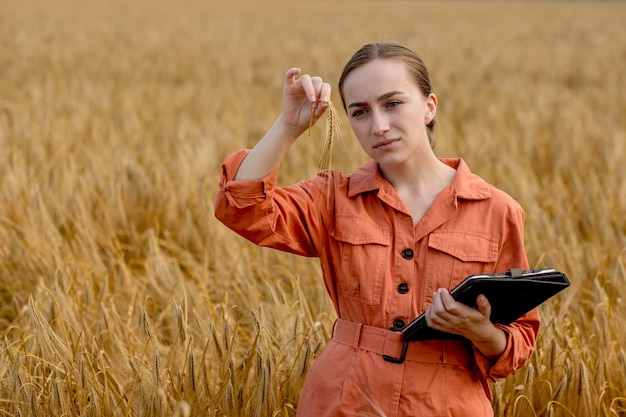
column 521, row 338
column 244, row 193
column 283, row 218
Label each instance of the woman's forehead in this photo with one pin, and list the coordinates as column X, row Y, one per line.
column 378, row 76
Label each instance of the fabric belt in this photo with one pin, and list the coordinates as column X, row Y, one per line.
column 389, row 343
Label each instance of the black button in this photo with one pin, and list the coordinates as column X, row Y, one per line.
column 403, row 288
column 398, row 323
column 407, row 253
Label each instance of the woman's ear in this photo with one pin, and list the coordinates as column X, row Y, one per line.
column 431, row 108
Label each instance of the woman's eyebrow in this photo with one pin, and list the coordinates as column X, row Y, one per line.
column 380, row 98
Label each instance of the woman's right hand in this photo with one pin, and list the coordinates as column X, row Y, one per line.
column 301, row 96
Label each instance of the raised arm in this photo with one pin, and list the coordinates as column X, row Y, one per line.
column 301, row 96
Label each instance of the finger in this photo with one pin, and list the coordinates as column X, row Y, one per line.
column 325, row 93
column 447, row 308
column 324, row 100
column 322, row 89
column 432, row 315
column 437, row 309
column 483, row 305
column 436, row 304
column 317, row 84
column 307, row 86
column 436, row 313
column 290, row 74
column 446, row 299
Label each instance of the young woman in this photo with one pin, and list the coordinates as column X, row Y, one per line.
column 392, row 238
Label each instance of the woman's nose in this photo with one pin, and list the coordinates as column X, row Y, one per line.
column 380, row 123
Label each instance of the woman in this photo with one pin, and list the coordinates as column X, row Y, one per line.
column 401, row 230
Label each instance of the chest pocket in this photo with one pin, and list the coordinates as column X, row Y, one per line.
column 361, row 258
column 454, row 255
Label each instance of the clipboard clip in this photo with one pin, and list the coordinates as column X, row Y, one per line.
column 515, row 272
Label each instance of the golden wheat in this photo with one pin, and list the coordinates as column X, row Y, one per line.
column 331, row 134
column 121, row 295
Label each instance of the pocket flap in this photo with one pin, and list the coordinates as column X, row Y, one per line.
column 358, row 230
column 466, row 246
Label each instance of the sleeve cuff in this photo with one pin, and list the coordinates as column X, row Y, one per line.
column 514, row 356
column 244, row 193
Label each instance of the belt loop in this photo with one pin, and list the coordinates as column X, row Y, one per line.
column 444, row 352
column 357, row 335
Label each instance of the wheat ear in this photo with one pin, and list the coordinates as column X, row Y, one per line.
column 325, row 160
column 331, row 132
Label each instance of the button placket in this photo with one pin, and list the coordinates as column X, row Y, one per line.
column 403, row 287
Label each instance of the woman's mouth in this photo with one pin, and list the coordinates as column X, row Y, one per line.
column 385, row 144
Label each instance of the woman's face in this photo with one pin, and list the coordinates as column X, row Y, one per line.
column 388, row 112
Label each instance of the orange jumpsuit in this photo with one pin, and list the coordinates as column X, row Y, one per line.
column 380, row 271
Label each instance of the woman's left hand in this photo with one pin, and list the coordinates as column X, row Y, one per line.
column 451, row 316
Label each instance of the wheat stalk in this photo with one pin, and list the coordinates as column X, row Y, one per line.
column 311, row 122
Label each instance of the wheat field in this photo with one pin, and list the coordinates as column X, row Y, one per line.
column 121, row 295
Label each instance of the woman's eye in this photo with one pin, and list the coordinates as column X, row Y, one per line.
column 393, row 104
column 358, row 113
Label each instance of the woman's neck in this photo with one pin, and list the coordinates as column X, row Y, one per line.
column 423, row 176
column 419, row 186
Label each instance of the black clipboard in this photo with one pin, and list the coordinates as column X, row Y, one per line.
column 511, row 295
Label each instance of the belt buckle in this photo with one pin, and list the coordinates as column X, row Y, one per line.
column 405, row 346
